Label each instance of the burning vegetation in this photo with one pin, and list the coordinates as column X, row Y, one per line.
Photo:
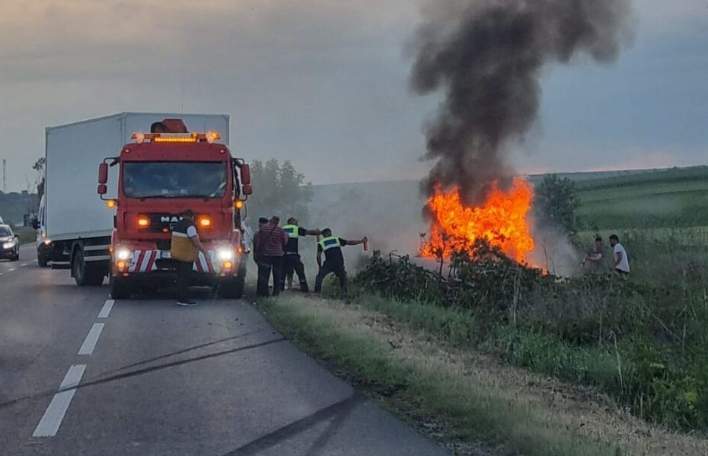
column 501, row 220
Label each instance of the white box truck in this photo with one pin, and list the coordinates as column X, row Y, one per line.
column 74, row 223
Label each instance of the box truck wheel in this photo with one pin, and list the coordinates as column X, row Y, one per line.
column 232, row 288
column 42, row 260
column 120, row 288
column 85, row 274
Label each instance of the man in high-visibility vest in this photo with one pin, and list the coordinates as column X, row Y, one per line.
column 331, row 246
column 293, row 263
column 184, row 248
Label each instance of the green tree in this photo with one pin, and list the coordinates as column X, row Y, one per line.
column 39, row 166
column 556, row 201
column 279, row 189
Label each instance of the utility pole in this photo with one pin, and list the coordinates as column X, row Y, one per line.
column 4, row 175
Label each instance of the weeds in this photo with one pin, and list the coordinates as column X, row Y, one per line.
column 643, row 343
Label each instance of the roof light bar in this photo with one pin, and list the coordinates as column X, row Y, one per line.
column 209, row 137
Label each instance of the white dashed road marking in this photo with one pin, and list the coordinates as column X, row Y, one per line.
column 53, row 416
column 51, row 420
column 106, row 310
column 91, row 339
column 11, row 269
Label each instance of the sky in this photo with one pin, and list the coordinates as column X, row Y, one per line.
column 324, row 83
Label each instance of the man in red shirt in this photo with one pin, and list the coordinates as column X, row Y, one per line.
column 270, row 242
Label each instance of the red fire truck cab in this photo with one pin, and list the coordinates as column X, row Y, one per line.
column 161, row 175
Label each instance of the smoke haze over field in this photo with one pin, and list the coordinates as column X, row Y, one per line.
column 487, row 56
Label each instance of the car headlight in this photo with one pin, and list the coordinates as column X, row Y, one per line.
column 47, row 241
column 225, row 254
column 8, row 245
column 122, row 254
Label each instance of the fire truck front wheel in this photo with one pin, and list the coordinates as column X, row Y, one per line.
column 232, row 288
column 85, row 274
column 120, row 288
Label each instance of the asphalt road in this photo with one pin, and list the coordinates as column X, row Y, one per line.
column 157, row 379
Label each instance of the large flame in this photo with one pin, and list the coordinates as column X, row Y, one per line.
column 502, row 219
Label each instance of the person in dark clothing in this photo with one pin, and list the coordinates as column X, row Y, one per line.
column 270, row 241
column 292, row 262
column 158, row 127
column 331, row 246
column 184, row 248
column 263, row 269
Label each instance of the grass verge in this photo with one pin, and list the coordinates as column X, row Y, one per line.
column 420, row 379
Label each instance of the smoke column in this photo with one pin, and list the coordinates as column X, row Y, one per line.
column 487, row 56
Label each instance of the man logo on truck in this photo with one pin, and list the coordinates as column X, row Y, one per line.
column 169, row 219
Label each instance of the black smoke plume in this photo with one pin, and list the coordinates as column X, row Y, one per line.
column 487, row 57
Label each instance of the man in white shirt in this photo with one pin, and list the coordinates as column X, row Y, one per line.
column 620, row 256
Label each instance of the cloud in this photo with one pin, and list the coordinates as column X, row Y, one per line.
column 87, row 39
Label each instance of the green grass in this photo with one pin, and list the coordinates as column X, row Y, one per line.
column 423, row 382
column 535, row 351
column 668, row 198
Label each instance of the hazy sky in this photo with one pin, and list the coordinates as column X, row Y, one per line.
column 324, row 83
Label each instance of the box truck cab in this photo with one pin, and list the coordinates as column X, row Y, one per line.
column 160, row 176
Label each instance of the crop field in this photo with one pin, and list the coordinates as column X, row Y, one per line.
column 669, row 199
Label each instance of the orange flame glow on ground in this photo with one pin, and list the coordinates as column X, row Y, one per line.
column 503, row 220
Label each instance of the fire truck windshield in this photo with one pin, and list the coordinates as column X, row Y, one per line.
column 174, row 179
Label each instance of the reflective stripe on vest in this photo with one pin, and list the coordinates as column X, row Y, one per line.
column 292, row 230
column 329, row 243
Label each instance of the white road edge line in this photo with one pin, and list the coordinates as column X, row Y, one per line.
column 53, row 416
column 91, row 339
column 106, row 310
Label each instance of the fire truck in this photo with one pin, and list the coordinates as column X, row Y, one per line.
column 160, row 174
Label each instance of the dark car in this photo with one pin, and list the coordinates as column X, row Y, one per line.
column 9, row 244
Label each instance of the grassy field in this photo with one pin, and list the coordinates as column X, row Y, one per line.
column 655, row 199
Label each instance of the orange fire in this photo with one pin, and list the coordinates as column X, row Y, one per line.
column 502, row 220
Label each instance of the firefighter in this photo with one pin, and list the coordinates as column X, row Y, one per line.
column 293, row 263
column 331, row 246
column 184, row 248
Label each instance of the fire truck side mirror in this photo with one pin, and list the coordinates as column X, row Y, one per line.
column 102, row 189
column 248, row 189
column 245, row 175
column 103, row 174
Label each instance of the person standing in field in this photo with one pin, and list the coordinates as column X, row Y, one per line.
column 621, row 260
column 595, row 259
